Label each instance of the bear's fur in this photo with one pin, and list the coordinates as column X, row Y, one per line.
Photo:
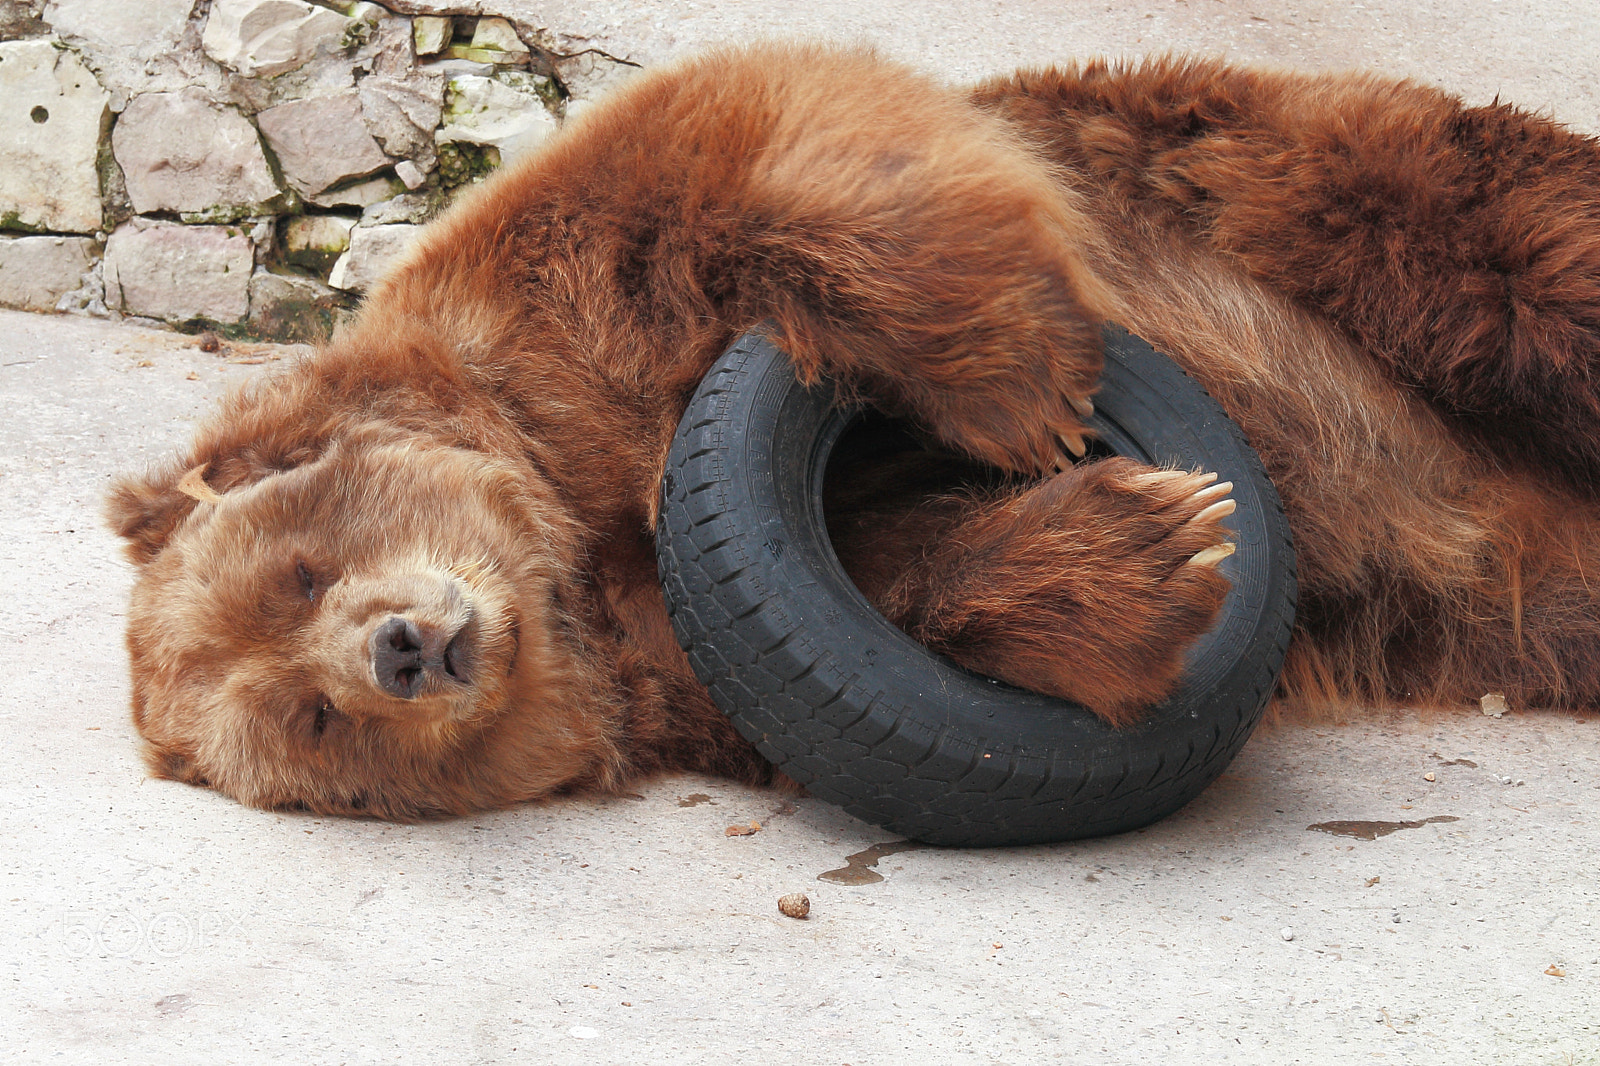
column 414, row 575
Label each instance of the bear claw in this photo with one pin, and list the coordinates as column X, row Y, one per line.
column 1213, row 555
column 1214, row 492
column 1220, row 509
column 1152, row 478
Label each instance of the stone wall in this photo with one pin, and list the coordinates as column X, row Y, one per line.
column 250, row 166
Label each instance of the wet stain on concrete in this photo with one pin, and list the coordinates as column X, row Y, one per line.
column 694, row 799
column 859, row 871
column 1374, row 830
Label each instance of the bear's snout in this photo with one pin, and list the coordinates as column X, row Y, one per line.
column 403, row 653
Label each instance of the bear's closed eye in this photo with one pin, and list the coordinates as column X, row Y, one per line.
column 324, row 714
column 308, row 583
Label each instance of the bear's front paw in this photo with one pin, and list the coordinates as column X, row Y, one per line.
column 1030, row 433
column 1090, row 585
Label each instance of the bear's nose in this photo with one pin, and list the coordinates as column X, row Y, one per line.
column 395, row 649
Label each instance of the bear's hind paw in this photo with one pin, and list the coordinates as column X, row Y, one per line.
column 1090, row 585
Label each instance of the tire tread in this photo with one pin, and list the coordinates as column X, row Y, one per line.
column 779, row 697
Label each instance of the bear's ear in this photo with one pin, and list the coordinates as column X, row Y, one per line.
column 261, row 430
column 144, row 510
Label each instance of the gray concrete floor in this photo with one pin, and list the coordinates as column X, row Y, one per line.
column 1543, row 54
column 143, row 921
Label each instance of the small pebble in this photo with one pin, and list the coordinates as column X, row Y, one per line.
column 795, row 905
column 409, row 173
column 1395, row 918
column 1505, row 780
column 1287, row 934
column 1428, row 776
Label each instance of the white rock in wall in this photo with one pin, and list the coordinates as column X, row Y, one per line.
column 417, row 207
column 389, row 50
column 181, row 152
column 361, row 194
column 315, row 242
column 431, row 34
column 35, row 272
column 373, row 250
column 499, row 35
column 179, row 273
column 265, row 38
column 365, row 11
column 435, row 7
column 491, row 112
column 318, row 234
column 130, row 27
column 402, row 113
column 321, row 142
column 411, row 175
column 52, row 115
column 88, row 298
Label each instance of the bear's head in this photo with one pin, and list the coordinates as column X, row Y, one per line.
column 334, row 617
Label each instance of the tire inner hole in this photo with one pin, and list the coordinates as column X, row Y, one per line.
column 889, row 491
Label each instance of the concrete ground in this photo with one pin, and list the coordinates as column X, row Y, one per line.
column 1543, row 54
column 1323, row 902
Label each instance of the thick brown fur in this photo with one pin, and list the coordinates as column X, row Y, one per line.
column 1396, row 296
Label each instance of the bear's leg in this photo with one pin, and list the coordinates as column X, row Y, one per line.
column 1089, row 585
column 1521, row 618
column 1459, row 246
column 898, row 240
column 883, row 231
column 956, row 315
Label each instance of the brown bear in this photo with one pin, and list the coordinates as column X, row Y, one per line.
column 413, row 575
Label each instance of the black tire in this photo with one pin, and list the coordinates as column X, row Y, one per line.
column 848, row 705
